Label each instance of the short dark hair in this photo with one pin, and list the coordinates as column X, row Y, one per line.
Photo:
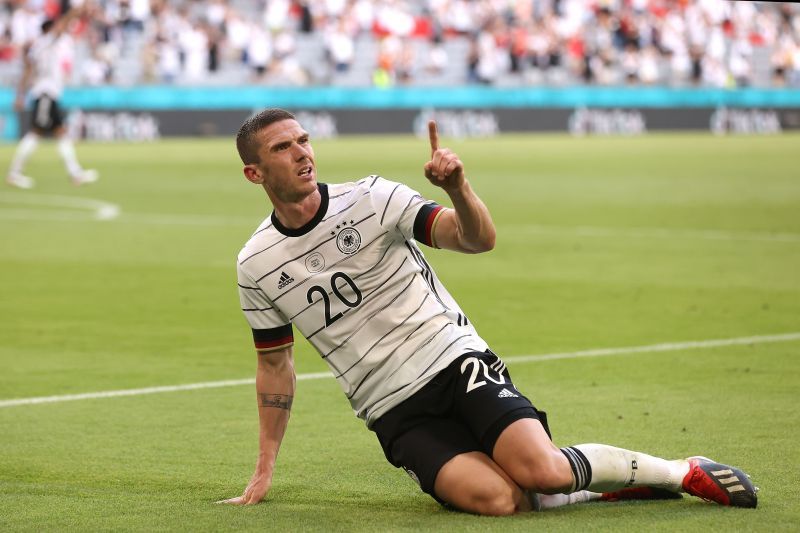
column 246, row 142
column 47, row 25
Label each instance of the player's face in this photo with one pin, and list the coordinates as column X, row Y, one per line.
column 286, row 161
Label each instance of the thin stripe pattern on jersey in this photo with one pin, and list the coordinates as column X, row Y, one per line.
column 355, row 284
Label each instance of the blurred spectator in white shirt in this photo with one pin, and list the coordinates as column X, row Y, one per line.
column 259, row 50
column 629, row 63
column 490, row 58
column 216, row 13
column 714, row 72
column 363, row 13
column 286, row 69
column 340, row 47
column 649, row 73
column 393, row 16
column 740, row 62
column 96, row 69
column 168, row 62
column 276, row 15
column 26, row 24
column 194, row 48
column 237, row 36
column 436, row 60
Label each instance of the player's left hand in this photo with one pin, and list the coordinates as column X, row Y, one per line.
column 445, row 169
column 255, row 491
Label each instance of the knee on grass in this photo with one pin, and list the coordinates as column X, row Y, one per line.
column 498, row 500
column 550, row 473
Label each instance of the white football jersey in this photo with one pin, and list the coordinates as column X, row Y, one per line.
column 357, row 286
column 50, row 56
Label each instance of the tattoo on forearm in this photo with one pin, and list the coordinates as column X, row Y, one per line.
column 281, row 401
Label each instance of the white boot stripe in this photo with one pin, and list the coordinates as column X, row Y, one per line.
column 718, row 473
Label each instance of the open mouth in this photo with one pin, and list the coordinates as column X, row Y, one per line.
column 306, row 171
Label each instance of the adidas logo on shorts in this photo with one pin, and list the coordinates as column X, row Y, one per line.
column 505, row 393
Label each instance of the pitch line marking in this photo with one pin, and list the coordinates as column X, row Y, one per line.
column 598, row 352
column 189, row 220
column 111, row 211
column 662, row 347
column 146, row 390
column 670, row 233
column 98, row 209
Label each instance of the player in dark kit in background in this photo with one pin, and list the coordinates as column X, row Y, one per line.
column 340, row 262
column 44, row 74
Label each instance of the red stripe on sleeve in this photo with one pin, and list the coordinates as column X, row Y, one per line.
column 277, row 343
column 429, row 225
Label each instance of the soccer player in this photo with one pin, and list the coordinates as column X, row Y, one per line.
column 44, row 73
column 341, row 263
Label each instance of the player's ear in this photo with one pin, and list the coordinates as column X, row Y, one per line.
column 253, row 174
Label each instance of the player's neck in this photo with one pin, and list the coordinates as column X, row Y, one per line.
column 295, row 215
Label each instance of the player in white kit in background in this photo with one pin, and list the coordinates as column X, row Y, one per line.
column 44, row 74
column 341, row 263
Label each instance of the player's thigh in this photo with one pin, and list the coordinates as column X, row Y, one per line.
column 526, row 453
column 425, row 448
column 474, row 483
column 443, row 456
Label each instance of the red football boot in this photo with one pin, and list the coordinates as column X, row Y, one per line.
column 719, row 483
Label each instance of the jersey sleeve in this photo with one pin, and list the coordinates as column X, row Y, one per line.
column 401, row 208
column 271, row 329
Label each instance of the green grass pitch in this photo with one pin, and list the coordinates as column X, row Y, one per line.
column 602, row 243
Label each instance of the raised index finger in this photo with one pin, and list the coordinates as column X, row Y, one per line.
column 434, row 136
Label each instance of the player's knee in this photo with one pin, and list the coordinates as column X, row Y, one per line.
column 498, row 502
column 492, row 497
column 549, row 473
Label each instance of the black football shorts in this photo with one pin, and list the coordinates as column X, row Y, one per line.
column 47, row 115
column 462, row 409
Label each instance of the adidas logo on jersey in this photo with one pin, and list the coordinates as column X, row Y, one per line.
column 505, row 393
column 285, row 280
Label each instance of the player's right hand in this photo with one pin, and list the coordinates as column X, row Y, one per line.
column 255, row 492
column 444, row 169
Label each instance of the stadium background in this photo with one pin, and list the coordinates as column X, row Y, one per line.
column 143, row 69
column 644, row 289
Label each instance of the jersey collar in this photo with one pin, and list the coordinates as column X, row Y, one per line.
column 311, row 224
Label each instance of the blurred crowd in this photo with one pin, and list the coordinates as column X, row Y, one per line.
column 715, row 43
